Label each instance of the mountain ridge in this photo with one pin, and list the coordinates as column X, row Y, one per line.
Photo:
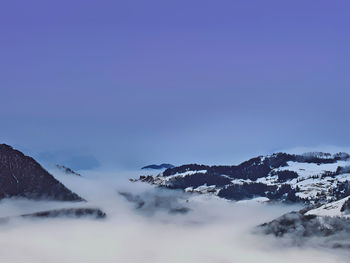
column 22, row 176
column 310, row 177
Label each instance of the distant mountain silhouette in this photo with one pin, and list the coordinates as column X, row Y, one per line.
column 159, row 167
column 67, row 170
column 69, row 212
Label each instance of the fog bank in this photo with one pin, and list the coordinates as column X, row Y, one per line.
column 213, row 230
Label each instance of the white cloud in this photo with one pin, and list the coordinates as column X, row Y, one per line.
column 214, row 231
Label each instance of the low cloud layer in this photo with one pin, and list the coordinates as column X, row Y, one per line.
column 213, row 230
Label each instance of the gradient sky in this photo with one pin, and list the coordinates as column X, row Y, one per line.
column 137, row 82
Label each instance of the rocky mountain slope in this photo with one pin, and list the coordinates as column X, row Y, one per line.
column 22, row 176
column 311, row 178
column 330, row 223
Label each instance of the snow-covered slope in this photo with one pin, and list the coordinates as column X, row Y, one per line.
column 330, row 223
column 332, row 209
column 311, row 178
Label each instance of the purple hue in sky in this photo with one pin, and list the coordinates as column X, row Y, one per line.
column 139, row 82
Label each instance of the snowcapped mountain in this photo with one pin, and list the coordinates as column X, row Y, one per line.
column 330, row 223
column 321, row 181
column 311, row 178
column 340, row 208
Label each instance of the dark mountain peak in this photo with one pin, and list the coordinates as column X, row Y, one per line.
column 22, row 176
column 4, row 146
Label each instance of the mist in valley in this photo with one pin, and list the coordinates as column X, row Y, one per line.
column 150, row 225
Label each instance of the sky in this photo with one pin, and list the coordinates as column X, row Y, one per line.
column 128, row 83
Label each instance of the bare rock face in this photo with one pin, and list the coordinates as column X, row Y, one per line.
column 22, row 176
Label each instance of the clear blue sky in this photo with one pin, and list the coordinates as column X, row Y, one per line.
column 139, row 82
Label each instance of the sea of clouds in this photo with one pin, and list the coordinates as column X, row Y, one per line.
column 212, row 231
